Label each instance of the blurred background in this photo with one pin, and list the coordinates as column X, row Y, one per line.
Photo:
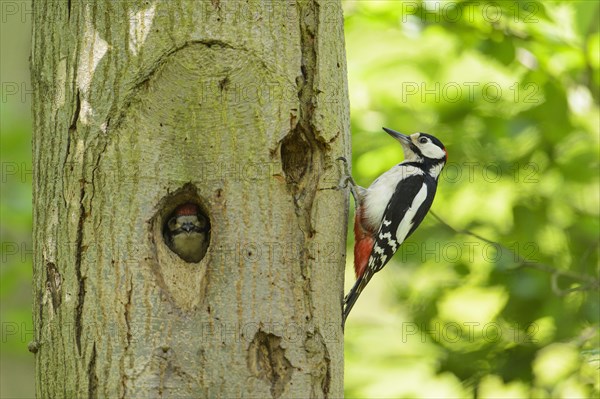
column 512, row 89
column 16, row 326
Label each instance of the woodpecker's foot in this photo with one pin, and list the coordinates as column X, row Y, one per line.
column 347, row 179
column 346, row 176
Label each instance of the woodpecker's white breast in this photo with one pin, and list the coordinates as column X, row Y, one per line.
column 380, row 192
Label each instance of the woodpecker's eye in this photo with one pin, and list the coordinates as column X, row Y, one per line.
column 423, row 140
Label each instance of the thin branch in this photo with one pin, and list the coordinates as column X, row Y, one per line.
column 587, row 281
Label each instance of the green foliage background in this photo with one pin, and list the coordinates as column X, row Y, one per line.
column 16, row 330
column 512, row 89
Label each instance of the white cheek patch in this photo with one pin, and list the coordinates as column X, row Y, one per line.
column 431, row 150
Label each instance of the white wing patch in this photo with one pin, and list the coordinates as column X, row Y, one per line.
column 378, row 256
column 407, row 222
column 393, row 244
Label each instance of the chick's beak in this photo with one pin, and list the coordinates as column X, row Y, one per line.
column 187, row 226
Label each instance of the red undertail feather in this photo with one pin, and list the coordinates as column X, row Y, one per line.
column 363, row 244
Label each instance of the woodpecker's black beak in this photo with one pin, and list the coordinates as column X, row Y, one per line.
column 409, row 148
column 402, row 138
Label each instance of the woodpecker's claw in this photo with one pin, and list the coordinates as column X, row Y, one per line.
column 347, row 178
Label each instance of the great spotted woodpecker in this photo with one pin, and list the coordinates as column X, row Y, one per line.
column 187, row 232
column 393, row 206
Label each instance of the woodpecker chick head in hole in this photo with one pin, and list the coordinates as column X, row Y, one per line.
column 187, row 232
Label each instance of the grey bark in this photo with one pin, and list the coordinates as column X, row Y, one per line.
column 142, row 105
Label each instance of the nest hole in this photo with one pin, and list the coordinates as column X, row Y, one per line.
column 184, row 224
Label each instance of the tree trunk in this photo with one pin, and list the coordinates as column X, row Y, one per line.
column 240, row 107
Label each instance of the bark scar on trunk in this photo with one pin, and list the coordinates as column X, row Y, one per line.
column 295, row 156
column 54, row 285
column 80, row 278
column 302, row 150
column 318, row 357
column 267, row 361
column 92, row 376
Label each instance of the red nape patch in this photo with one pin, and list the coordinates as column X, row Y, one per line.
column 446, row 152
column 187, row 209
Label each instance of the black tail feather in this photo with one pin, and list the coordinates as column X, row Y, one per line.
column 355, row 292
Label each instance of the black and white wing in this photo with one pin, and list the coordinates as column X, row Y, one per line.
column 405, row 211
